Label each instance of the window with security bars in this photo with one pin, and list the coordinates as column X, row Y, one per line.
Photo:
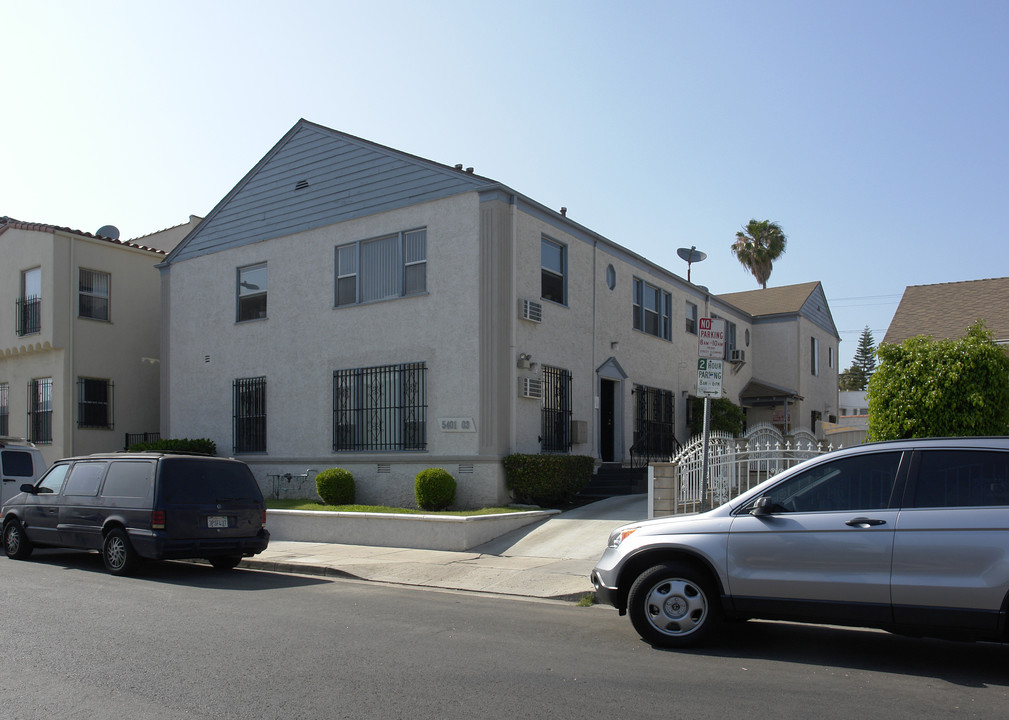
column 29, row 304
column 93, row 294
column 40, row 410
column 382, row 268
column 555, row 436
column 5, row 409
column 94, row 403
column 249, row 398
column 382, row 408
column 653, row 422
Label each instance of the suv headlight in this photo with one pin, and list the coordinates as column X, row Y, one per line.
column 618, row 535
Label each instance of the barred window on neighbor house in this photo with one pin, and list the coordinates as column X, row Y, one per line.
column 29, row 304
column 555, row 430
column 381, row 408
column 94, row 290
column 5, row 409
column 94, row 403
column 40, row 410
column 249, row 415
column 252, row 282
column 652, row 310
column 381, row 268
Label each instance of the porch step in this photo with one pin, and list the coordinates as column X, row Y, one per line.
column 612, row 480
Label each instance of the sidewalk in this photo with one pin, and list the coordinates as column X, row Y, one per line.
column 551, row 559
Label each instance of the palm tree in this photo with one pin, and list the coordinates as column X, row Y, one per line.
column 757, row 246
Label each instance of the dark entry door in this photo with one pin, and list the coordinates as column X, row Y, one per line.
column 607, row 419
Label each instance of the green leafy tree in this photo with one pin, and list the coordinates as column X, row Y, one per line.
column 940, row 388
column 757, row 246
column 852, row 379
column 726, row 416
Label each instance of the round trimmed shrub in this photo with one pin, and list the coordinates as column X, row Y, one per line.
column 335, row 486
column 434, row 489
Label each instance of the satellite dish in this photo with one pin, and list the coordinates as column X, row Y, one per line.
column 109, row 231
column 691, row 255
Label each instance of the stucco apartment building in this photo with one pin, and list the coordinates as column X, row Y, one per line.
column 351, row 305
column 79, row 338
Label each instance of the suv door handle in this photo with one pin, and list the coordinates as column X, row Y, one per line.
column 864, row 522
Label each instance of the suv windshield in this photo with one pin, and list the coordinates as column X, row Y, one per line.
column 203, row 481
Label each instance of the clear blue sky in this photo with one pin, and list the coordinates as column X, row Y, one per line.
column 874, row 132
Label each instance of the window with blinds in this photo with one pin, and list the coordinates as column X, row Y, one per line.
column 93, row 296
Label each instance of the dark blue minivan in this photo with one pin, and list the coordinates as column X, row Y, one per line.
column 131, row 506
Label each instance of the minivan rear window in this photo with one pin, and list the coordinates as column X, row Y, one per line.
column 202, row 481
column 129, row 479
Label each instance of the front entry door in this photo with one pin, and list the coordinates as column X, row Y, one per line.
column 607, row 419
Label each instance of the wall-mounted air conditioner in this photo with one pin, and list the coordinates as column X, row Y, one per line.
column 531, row 387
column 531, row 311
column 737, row 355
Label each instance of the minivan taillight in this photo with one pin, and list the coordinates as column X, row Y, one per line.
column 158, row 520
column 264, row 517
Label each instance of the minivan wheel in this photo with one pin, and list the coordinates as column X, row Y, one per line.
column 673, row 605
column 117, row 552
column 225, row 562
column 16, row 543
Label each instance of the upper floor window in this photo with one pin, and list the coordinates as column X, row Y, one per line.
column 249, row 418
column 251, row 292
column 383, row 268
column 730, row 338
column 553, row 271
column 29, row 305
column 830, row 357
column 93, row 294
column 652, row 310
column 94, row 403
column 691, row 318
column 814, row 356
column 380, row 408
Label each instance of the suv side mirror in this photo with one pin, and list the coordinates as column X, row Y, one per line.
column 28, row 488
column 763, row 506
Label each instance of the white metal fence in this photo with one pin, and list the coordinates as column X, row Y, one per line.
column 734, row 466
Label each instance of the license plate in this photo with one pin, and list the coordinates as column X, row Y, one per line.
column 217, row 521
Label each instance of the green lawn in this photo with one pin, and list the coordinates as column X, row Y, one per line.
column 296, row 504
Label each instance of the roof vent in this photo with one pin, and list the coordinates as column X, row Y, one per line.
column 108, row 231
column 469, row 170
column 301, row 185
column 564, row 211
column 458, row 166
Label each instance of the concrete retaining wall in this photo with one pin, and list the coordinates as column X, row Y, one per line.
column 427, row 532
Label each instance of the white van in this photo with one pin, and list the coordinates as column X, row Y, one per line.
column 20, row 462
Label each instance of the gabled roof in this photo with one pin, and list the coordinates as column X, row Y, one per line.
column 946, row 310
column 9, row 223
column 314, row 177
column 805, row 299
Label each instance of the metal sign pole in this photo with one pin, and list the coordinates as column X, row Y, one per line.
column 704, row 455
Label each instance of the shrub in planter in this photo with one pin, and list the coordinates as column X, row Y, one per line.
column 547, row 480
column 335, row 486
column 434, row 489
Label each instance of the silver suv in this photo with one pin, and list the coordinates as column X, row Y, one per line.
column 910, row 536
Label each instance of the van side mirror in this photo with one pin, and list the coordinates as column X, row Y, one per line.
column 28, row 488
column 764, row 506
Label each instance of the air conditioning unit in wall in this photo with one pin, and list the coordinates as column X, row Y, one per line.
column 737, row 355
column 531, row 311
column 531, row 387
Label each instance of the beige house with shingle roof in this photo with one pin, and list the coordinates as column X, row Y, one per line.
column 79, row 335
column 946, row 310
column 789, row 322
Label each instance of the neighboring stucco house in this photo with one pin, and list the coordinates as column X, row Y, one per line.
column 79, row 338
column 351, row 305
column 946, row 310
column 794, row 356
